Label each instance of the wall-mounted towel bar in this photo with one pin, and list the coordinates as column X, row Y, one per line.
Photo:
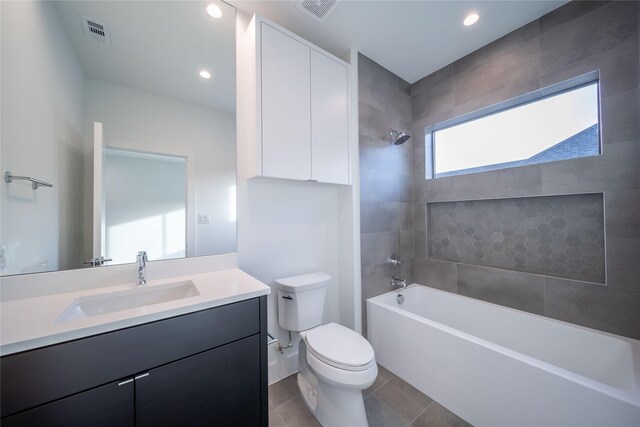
column 35, row 183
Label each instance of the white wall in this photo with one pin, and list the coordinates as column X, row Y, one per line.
column 145, row 119
column 41, row 136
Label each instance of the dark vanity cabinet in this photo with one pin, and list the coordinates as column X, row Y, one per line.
column 200, row 369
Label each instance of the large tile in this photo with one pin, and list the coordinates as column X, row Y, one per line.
column 615, row 169
column 405, row 106
column 420, row 216
column 432, row 190
column 600, row 307
column 566, row 13
column 294, row 413
column 512, row 68
column 403, row 398
column 380, row 415
column 275, row 420
column 385, row 186
column 284, row 390
column 384, row 376
column 376, row 247
column 622, row 219
column 375, row 123
column 419, row 158
column 385, row 216
column 432, row 79
column 407, row 269
column 381, row 155
column 420, row 243
column 623, row 263
column 512, row 41
column 610, row 26
column 509, row 288
column 368, row 67
column 618, row 69
column 406, row 245
column 375, row 280
column 620, row 117
column 433, row 99
column 437, row 415
column 379, row 94
column 499, row 94
column 441, row 275
column 503, row 183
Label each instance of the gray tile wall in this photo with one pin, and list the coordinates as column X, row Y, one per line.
column 561, row 236
column 576, row 38
column 386, row 171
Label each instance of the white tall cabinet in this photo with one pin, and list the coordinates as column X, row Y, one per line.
column 301, row 107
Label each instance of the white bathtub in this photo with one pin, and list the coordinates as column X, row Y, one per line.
column 496, row 366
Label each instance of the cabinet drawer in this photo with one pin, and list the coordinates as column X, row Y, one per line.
column 39, row 376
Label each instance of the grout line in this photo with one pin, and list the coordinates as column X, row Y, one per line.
column 379, row 387
column 286, row 401
column 423, row 411
column 392, row 410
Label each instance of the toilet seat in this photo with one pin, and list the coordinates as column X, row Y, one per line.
column 340, row 347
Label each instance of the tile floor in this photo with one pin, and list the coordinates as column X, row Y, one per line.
column 389, row 402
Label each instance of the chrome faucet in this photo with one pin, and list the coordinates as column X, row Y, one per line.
column 394, row 281
column 142, row 267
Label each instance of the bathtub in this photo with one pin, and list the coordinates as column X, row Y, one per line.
column 495, row 366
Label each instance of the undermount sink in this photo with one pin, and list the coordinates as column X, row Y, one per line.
column 142, row 296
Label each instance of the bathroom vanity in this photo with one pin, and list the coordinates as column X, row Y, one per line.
column 197, row 360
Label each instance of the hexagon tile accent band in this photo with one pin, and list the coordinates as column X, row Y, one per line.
column 561, row 236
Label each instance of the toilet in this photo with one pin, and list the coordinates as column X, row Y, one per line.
column 335, row 363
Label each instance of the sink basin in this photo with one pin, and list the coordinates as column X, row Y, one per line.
column 142, row 296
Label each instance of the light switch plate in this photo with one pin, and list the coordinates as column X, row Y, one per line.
column 203, row 218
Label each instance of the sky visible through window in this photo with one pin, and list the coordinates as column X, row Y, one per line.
column 516, row 134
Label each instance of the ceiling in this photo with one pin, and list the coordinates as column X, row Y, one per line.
column 158, row 47
column 410, row 38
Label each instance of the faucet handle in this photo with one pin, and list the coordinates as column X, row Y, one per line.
column 394, row 260
column 142, row 256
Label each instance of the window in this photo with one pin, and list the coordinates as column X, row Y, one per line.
column 555, row 123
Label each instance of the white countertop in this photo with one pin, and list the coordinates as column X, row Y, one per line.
column 31, row 322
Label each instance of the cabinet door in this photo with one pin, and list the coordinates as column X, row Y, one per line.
column 329, row 120
column 220, row 387
column 286, row 115
column 105, row 406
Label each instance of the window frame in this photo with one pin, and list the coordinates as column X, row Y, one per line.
column 518, row 101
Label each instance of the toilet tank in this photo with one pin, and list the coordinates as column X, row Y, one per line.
column 301, row 301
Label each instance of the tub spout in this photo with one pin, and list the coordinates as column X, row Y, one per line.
column 394, row 281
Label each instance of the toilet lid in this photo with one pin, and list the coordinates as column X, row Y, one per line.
column 340, row 346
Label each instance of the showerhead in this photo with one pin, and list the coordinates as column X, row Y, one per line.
column 398, row 138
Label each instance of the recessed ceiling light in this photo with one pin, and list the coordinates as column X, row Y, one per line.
column 205, row 74
column 471, row 19
column 214, row 11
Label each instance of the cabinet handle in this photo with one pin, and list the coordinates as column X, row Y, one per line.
column 130, row 380
column 146, row 374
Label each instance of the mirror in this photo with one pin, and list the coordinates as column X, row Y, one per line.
column 117, row 132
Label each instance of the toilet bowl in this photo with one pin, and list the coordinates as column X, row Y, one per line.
column 335, row 363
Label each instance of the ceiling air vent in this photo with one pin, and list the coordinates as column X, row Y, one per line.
column 96, row 30
column 318, row 9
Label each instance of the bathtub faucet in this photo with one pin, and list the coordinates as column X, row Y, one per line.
column 394, row 281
